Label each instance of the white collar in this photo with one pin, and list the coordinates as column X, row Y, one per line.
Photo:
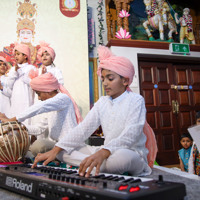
column 49, row 66
column 22, row 65
column 119, row 98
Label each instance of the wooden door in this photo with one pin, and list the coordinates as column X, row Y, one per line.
column 172, row 95
column 188, row 98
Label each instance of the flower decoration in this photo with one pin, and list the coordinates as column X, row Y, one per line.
column 122, row 34
column 188, row 21
column 100, row 20
column 124, row 13
column 151, row 11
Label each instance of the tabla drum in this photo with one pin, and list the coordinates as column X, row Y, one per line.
column 14, row 141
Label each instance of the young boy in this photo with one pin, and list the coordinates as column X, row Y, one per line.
column 184, row 153
column 61, row 115
column 18, row 80
column 121, row 114
column 4, row 93
column 46, row 56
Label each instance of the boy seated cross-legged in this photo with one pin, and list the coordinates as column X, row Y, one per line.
column 122, row 116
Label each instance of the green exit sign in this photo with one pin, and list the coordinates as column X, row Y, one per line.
column 177, row 48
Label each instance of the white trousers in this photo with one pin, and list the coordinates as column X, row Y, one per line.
column 123, row 160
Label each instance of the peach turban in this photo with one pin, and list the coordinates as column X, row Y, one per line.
column 23, row 48
column 45, row 47
column 117, row 64
column 43, row 83
column 151, row 144
column 48, row 83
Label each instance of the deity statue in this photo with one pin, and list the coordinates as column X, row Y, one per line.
column 167, row 19
column 186, row 26
column 154, row 19
column 25, row 31
column 160, row 18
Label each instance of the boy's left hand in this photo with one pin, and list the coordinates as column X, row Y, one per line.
column 95, row 160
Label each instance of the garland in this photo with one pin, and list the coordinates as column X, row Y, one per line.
column 188, row 21
column 151, row 12
column 100, row 20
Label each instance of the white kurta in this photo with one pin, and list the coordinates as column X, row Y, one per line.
column 60, row 116
column 22, row 95
column 122, row 121
column 5, row 97
column 58, row 74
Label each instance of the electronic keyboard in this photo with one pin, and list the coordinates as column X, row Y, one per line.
column 52, row 183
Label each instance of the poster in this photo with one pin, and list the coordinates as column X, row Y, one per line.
column 34, row 21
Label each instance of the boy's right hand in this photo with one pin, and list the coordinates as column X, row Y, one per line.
column 16, row 67
column 95, row 160
column 44, row 69
column 3, row 117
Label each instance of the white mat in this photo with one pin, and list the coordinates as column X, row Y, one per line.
column 178, row 172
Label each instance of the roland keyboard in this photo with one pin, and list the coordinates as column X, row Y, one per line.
column 65, row 184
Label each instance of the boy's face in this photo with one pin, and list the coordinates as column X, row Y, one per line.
column 186, row 142
column 20, row 58
column 43, row 95
column 46, row 58
column 113, row 84
column 198, row 121
column 3, row 67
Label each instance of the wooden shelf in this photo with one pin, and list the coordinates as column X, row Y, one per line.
column 146, row 44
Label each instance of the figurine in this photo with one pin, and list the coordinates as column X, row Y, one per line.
column 186, row 30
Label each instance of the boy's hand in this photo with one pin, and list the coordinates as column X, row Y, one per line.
column 16, row 67
column 46, row 157
column 44, row 69
column 3, row 117
column 95, row 160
